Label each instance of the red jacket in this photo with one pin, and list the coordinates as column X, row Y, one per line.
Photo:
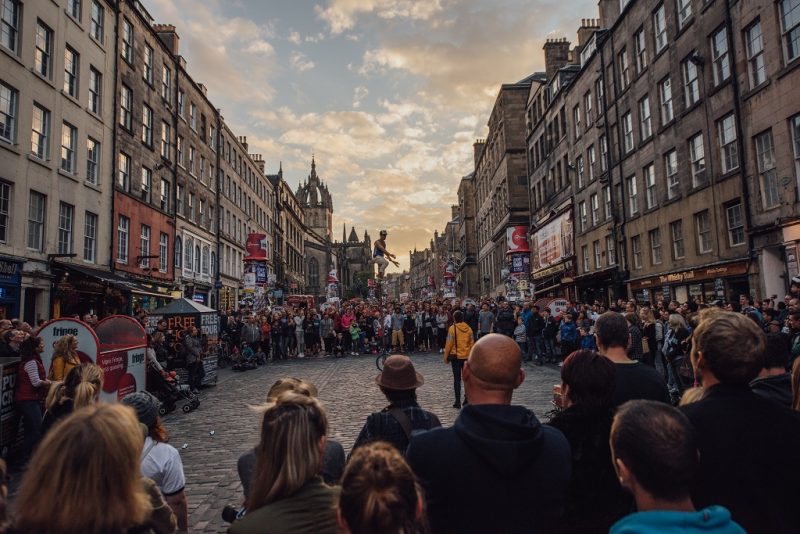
column 25, row 390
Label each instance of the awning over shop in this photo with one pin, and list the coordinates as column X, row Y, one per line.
column 151, row 290
column 106, row 277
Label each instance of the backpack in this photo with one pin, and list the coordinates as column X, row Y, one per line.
column 405, row 423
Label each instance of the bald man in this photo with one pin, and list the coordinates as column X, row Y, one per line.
column 497, row 469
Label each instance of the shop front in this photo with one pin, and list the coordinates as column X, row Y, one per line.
column 149, row 295
column 78, row 290
column 724, row 282
column 596, row 286
column 554, row 281
column 553, row 256
column 10, row 287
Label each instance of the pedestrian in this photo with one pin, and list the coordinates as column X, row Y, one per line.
column 65, row 358
column 287, row 493
column 774, row 381
column 441, row 328
column 521, row 337
column 499, row 457
column 194, row 358
column 549, row 337
column 396, row 423
column 635, row 349
column 80, row 388
column 568, row 335
column 655, row 455
column 649, row 336
column 485, row 321
column 505, row 321
column 299, row 321
column 535, row 327
column 31, row 390
column 674, row 352
column 742, row 438
column 397, row 330
column 380, row 493
column 456, row 351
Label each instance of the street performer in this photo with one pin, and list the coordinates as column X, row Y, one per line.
column 381, row 256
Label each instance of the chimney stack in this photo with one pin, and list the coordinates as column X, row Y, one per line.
column 609, row 12
column 477, row 149
column 556, row 55
column 243, row 141
column 168, row 36
column 586, row 30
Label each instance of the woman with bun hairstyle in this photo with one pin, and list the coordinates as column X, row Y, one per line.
column 80, row 388
column 65, row 357
column 380, row 493
column 31, row 391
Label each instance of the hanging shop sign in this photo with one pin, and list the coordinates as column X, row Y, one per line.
column 517, row 239
column 553, row 242
column 693, row 275
column 256, row 247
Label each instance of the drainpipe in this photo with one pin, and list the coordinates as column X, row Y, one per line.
column 114, row 159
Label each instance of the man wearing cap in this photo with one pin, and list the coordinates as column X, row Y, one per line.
column 380, row 254
column 395, row 423
column 160, row 461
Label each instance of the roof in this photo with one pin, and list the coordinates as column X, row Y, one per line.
column 182, row 306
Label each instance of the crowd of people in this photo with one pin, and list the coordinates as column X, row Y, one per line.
column 670, row 418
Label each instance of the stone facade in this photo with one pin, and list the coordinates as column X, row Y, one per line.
column 467, row 274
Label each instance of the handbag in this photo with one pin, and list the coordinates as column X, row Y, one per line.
column 645, row 345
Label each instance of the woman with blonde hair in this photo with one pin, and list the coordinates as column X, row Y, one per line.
column 80, row 388
column 287, row 492
column 380, row 493
column 98, row 463
column 65, row 357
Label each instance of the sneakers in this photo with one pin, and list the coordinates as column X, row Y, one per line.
column 457, row 405
column 301, row 355
column 441, row 351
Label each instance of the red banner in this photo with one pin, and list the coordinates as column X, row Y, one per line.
column 256, row 247
column 517, row 237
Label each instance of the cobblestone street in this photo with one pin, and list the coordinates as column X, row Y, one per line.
column 346, row 387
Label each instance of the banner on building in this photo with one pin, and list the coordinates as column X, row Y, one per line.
column 517, row 237
column 256, row 247
column 553, row 242
column 520, row 263
column 261, row 273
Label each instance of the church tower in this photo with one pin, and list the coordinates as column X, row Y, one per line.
column 317, row 204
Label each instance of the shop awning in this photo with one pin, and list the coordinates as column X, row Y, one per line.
column 146, row 289
column 98, row 274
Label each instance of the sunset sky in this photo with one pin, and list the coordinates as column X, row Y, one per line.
column 389, row 94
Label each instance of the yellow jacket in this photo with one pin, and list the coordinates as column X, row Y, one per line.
column 61, row 366
column 459, row 341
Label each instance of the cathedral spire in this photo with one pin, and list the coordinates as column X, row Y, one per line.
column 313, row 176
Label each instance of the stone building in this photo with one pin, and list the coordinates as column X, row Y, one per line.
column 501, row 183
column 354, row 262
column 467, row 275
column 289, row 239
column 317, row 205
column 421, row 273
column 56, row 139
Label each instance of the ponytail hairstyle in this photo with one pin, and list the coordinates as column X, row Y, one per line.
column 380, row 492
column 83, row 384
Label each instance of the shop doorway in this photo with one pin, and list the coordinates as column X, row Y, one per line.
column 31, row 294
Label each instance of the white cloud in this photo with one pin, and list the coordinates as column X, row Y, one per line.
column 295, row 38
column 340, row 15
column 300, row 62
column 359, row 93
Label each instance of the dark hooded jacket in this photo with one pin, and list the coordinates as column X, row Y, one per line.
column 776, row 388
column 497, row 469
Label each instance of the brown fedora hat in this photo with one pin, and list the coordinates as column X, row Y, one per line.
column 399, row 374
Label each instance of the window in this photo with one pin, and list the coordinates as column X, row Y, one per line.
column 585, row 258
column 603, row 154
column 40, row 132
column 790, row 27
column 212, row 138
column 582, row 212
column 179, row 150
column 754, row 41
column 201, row 218
column 178, row 259
column 703, row 222
column 147, row 184
column 698, row 158
column 90, row 237
column 98, row 21
column 9, row 24
column 124, row 176
column 147, row 125
column 645, row 120
column 595, row 203
column 127, row 40
column 636, row 251
column 95, row 90
column 125, row 107
column 665, row 94
column 676, row 232
column 611, row 254
column 191, row 160
column 735, row 218
column 43, row 56
column 655, row 246
column 189, row 261
column 36, row 203
column 598, row 255
column 205, row 260
column 74, row 8
column 71, row 71
column 607, row 202
column 181, row 101
column 660, row 28
column 69, row 139
column 729, row 153
column 587, row 105
column 624, row 69
column 591, row 157
column 633, row 196
column 147, row 70
column 179, row 200
column 163, row 252
column 671, row 172
column 5, row 210
column 165, row 140
column 651, row 199
column 684, row 12
column 144, row 247
column 576, row 119
column 599, row 94
column 191, row 206
column 193, row 116
column 166, row 83
column 691, row 84
column 164, row 195
column 66, row 214
column 203, row 169
column 197, row 258
column 641, row 50
column 765, row 158
column 627, row 127
column 720, row 57
column 9, row 102
column 581, row 169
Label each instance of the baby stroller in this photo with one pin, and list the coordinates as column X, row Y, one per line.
column 166, row 387
column 247, row 359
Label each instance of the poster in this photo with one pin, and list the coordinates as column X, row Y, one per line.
column 517, row 239
column 256, row 247
column 56, row 329
column 552, row 243
column 121, row 356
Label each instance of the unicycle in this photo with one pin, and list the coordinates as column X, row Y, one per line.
column 380, row 360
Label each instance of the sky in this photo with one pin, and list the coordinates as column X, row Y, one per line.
column 389, row 95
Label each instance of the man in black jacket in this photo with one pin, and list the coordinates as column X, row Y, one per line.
column 505, row 321
column 534, row 331
column 746, row 442
column 497, row 469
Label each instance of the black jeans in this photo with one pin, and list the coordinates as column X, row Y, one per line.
column 31, row 413
column 457, row 366
column 196, row 374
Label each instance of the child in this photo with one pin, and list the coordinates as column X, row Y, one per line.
column 587, row 340
column 569, row 335
column 338, row 350
column 521, row 337
column 355, row 335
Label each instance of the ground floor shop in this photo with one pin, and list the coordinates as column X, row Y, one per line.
column 720, row 281
column 596, row 286
column 778, row 253
column 554, row 281
column 10, row 286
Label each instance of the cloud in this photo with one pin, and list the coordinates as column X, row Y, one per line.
column 340, row 15
column 300, row 62
column 359, row 93
column 295, row 38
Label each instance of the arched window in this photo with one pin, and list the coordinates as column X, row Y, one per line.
column 213, row 269
column 197, row 258
column 189, row 259
column 178, row 252
column 206, row 252
column 313, row 272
